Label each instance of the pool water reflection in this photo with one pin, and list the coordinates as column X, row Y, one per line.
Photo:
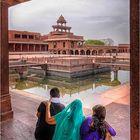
column 84, row 88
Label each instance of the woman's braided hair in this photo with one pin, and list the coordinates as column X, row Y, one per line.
column 98, row 120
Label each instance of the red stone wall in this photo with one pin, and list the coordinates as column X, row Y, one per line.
column 36, row 36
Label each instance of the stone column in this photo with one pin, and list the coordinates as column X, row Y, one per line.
column 14, row 48
column 73, row 52
column 134, row 69
column 117, row 52
column 45, row 48
column 104, row 53
column 5, row 99
column 97, row 53
column 110, row 52
column 21, row 47
column 27, row 36
column 34, row 47
column 40, row 48
column 115, row 74
column 28, row 48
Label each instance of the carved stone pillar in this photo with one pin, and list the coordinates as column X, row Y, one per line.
column 5, row 99
column 21, row 47
column 28, row 48
column 34, row 47
column 135, row 69
column 40, row 48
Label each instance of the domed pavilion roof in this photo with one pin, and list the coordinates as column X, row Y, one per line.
column 61, row 20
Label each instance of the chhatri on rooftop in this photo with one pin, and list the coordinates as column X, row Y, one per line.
column 61, row 25
column 61, row 20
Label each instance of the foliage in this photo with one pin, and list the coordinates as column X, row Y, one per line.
column 94, row 42
column 115, row 83
column 107, row 82
column 23, row 84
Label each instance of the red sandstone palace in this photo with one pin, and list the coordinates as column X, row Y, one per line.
column 60, row 41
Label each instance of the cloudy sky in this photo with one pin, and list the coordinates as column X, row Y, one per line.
column 93, row 19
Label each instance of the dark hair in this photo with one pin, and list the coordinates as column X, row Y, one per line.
column 54, row 92
column 98, row 120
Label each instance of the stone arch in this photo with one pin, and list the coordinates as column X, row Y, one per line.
column 63, row 52
column 82, row 52
column 88, row 52
column 94, row 52
column 76, row 52
column 71, row 52
column 101, row 52
column 54, row 52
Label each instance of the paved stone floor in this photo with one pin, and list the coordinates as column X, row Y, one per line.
column 22, row 126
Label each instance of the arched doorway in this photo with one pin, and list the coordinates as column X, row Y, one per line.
column 76, row 52
column 71, row 52
column 94, row 52
column 63, row 52
column 82, row 52
column 88, row 52
column 100, row 52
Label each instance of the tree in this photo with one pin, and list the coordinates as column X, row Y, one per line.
column 94, row 42
column 108, row 41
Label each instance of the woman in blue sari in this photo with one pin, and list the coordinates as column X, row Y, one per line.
column 68, row 122
column 95, row 127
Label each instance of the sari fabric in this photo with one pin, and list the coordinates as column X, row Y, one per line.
column 68, row 122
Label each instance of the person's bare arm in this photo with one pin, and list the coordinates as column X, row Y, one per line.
column 48, row 118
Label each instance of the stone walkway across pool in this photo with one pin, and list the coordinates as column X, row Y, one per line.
column 22, row 126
